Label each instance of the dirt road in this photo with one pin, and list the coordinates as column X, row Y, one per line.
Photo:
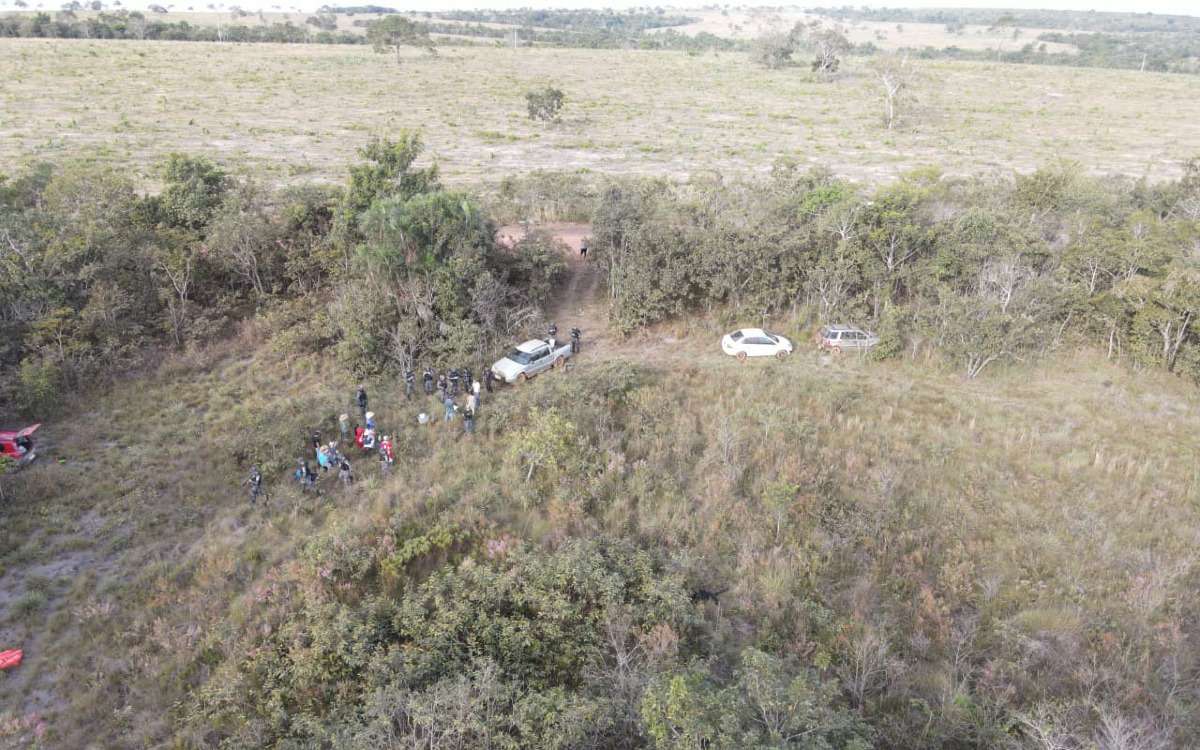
column 579, row 302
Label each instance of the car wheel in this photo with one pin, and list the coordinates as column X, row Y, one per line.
column 558, row 363
column 781, row 354
column 523, row 377
column 741, row 356
column 836, row 349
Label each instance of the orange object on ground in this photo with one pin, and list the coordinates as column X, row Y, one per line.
column 11, row 658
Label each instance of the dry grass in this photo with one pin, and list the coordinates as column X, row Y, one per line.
column 1047, row 496
column 298, row 111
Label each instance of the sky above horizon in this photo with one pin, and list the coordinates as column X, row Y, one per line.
column 1177, row 7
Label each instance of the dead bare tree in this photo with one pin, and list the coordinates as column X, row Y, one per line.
column 866, row 665
column 896, row 74
column 179, row 273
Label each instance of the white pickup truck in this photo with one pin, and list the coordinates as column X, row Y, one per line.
column 530, row 358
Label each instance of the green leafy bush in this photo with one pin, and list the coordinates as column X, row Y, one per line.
column 544, row 104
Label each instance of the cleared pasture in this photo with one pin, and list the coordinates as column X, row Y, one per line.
column 300, row 111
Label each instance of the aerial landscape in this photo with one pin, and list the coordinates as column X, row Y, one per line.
column 565, row 376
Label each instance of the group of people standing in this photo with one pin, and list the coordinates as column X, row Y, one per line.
column 446, row 386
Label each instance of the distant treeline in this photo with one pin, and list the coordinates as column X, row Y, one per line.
column 632, row 22
column 1166, row 53
column 1044, row 19
column 350, row 10
column 594, row 38
column 135, row 25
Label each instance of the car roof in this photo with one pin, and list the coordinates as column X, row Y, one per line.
column 752, row 332
column 531, row 346
column 841, row 328
column 14, row 434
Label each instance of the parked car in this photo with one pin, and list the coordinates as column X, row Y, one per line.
column 841, row 338
column 18, row 444
column 755, row 342
column 530, row 358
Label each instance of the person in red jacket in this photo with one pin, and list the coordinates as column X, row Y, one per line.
column 387, row 455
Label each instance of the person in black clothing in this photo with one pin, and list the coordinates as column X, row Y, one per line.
column 255, row 481
column 583, row 250
column 453, row 383
column 428, row 378
column 361, row 398
column 488, row 377
column 409, row 380
column 469, row 420
column 316, row 441
column 575, row 340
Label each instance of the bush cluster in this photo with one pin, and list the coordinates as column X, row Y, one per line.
column 399, row 268
column 981, row 270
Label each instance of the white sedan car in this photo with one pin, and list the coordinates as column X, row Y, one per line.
column 755, row 342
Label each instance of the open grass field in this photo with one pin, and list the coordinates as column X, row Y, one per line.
column 1006, row 541
column 299, row 112
column 1055, row 496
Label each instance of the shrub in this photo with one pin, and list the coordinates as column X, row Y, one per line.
column 544, row 104
column 40, row 386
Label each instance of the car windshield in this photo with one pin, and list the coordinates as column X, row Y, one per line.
column 772, row 337
column 520, row 357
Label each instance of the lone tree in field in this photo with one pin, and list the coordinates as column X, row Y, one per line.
column 774, row 50
column 895, row 74
column 396, row 32
column 827, row 45
column 544, row 104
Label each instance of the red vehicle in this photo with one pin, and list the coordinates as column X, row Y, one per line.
column 18, row 444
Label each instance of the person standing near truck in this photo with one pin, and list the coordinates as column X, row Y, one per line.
column 428, row 380
column 409, row 381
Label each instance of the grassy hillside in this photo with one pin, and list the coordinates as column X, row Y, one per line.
column 297, row 112
column 1002, row 557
